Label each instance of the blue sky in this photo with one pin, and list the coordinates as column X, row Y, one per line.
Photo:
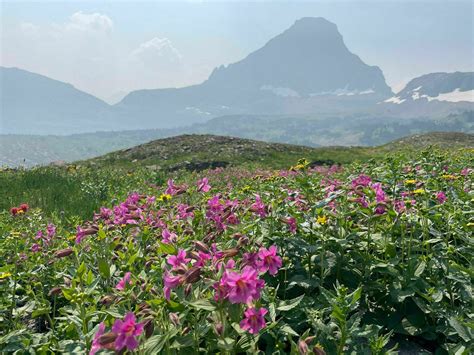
column 108, row 47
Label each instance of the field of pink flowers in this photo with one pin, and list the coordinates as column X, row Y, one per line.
column 366, row 258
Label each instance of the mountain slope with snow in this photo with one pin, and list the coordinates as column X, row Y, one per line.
column 305, row 69
column 451, row 87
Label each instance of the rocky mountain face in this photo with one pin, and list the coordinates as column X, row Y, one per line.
column 309, row 58
column 307, row 68
column 451, row 87
column 433, row 95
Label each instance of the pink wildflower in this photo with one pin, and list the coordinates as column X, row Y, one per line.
column 96, row 343
column 361, row 180
column 441, row 197
column 50, row 230
column 291, row 222
column 250, row 259
column 80, row 234
column 177, row 260
column 168, row 237
column 127, row 331
column 203, row 185
column 465, row 171
column 172, row 189
column 243, row 287
column 269, row 260
column 259, row 207
column 170, row 282
column 254, row 320
column 202, row 259
column 122, row 284
column 399, row 206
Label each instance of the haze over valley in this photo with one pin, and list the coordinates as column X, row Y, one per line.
column 303, row 85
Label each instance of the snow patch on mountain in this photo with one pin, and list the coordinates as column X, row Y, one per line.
column 454, row 96
column 395, row 100
column 279, row 91
column 344, row 92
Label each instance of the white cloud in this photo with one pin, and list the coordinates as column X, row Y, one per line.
column 156, row 52
column 157, row 63
column 84, row 50
column 90, row 22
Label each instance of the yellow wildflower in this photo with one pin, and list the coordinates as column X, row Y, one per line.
column 322, row 220
column 419, row 191
column 164, row 197
column 449, row 177
column 4, row 275
column 246, row 188
column 410, row 182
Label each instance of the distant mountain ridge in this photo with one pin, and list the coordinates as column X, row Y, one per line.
column 306, row 70
column 34, row 104
column 452, row 87
column 309, row 58
column 29, row 150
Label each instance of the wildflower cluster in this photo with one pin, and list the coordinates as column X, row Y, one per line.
column 305, row 260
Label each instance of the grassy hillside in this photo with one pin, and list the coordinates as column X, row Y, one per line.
column 364, row 258
column 198, row 152
column 447, row 140
column 80, row 188
column 189, row 151
column 17, row 150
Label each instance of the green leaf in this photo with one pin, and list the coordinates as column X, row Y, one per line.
column 155, row 344
column 202, row 304
column 226, row 344
column 408, row 327
column 68, row 293
column 132, row 259
column 38, row 312
column 289, row 305
column 101, row 234
column 462, row 330
column 420, row 268
column 288, row 330
column 81, row 270
column 104, row 269
column 175, row 306
column 272, row 312
column 183, row 342
column 167, row 248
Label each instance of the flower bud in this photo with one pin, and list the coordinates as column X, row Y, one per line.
column 149, row 327
column 229, row 253
column 174, row 318
column 107, row 338
column 64, row 252
column 242, row 242
column 192, row 275
column 201, row 246
column 188, row 289
column 219, row 328
column 318, row 350
column 107, row 300
column 303, row 347
column 54, row 291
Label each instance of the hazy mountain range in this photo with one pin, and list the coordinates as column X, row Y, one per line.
column 306, row 70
